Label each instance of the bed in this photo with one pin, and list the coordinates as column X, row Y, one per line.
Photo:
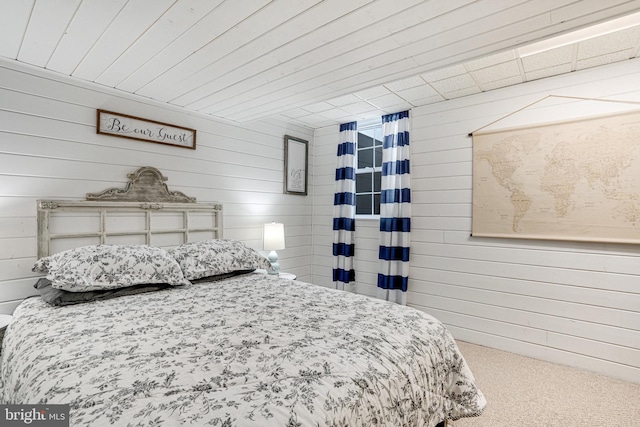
column 213, row 339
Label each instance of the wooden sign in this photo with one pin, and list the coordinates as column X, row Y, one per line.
column 125, row 126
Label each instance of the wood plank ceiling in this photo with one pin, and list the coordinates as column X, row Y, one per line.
column 313, row 62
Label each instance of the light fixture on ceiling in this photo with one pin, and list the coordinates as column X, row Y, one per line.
column 601, row 29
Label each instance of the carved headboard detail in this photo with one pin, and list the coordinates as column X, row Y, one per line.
column 145, row 185
column 143, row 212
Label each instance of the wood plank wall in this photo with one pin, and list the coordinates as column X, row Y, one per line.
column 49, row 149
column 571, row 303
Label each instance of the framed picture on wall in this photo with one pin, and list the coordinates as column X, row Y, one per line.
column 295, row 165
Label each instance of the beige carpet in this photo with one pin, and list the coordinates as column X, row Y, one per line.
column 524, row 392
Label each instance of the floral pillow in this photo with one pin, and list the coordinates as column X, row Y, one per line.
column 213, row 257
column 99, row 267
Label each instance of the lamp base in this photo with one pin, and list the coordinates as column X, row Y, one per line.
column 273, row 259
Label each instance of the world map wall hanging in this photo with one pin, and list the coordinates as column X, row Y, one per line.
column 576, row 180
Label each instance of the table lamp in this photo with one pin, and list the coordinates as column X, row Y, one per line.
column 273, row 240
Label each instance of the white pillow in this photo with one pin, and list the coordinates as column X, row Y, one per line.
column 99, row 267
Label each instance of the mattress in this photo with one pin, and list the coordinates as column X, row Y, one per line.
column 249, row 350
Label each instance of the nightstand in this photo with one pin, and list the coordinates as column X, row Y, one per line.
column 289, row 276
column 5, row 319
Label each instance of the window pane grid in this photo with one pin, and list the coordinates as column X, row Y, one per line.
column 369, row 171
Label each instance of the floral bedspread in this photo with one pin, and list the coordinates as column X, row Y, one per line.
column 252, row 350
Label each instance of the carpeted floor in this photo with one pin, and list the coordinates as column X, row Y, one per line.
column 524, row 392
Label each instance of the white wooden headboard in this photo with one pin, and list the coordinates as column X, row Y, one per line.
column 144, row 212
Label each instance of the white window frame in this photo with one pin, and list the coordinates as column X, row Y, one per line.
column 370, row 170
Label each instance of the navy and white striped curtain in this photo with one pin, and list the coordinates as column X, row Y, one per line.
column 344, row 209
column 395, row 209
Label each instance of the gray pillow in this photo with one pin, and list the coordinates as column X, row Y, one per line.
column 58, row 297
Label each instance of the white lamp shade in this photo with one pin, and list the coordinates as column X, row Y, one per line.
column 273, row 238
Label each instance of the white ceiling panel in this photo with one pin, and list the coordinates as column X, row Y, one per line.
column 344, row 100
column 373, row 92
column 240, row 28
column 205, row 31
column 623, row 40
column 284, row 50
column 178, row 20
column 610, row 58
column 418, row 93
column 550, row 58
column 409, row 83
column 361, row 65
column 318, row 107
column 488, row 61
column 333, row 113
column 13, row 24
column 451, row 84
column 359, row 108
column 90, row 21
column 388, row 101
column 548, row 72
column 303, row 62
column 132, row 22
column 295, row 114
column 312, row 62
column 496, row 72
column 497, row 84
column 445, row 73
column 47, row 24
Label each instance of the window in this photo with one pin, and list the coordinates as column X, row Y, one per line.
column 369, row 170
